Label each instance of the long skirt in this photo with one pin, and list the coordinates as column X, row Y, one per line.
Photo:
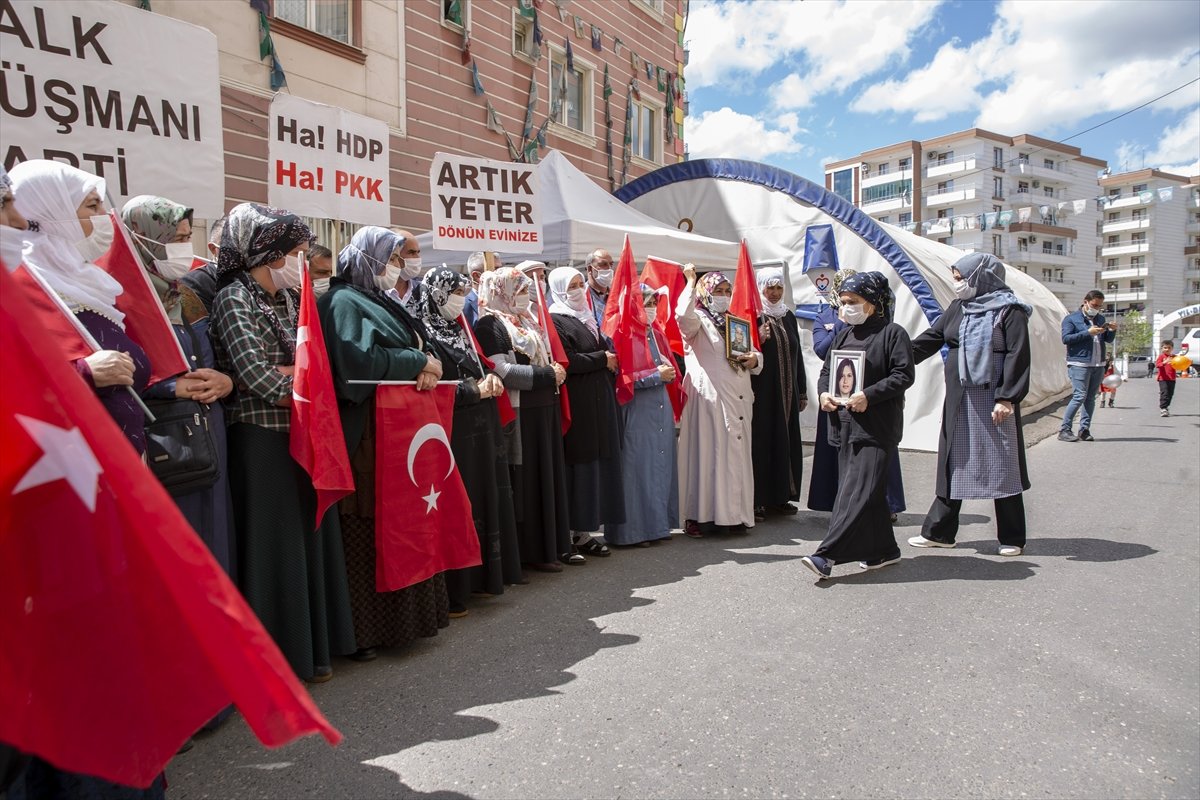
column 293, row 577
column 484, row 469
column 649, row 468
column 823, row 482
column 860, row 527
column 539, row 487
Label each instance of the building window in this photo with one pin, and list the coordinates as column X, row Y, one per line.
column 1113, row 241
column 571, row 91
column 1137, row 261
column 1022, row 187
column 456, row 13
column 997, row 156
column 1048, row 163
column 523, row 44
column 1195, row 287
column 885, row 219
column 884, row 168
column 654, row 6
column 905, row 218
column 905, row 163
column 998, row 187
column 1046, row 190
column 843, row 184
column 886, row 191
column 997, row 249
column 1137, row 285
column 1141, row 187
column 1138, row 237
column 944, row 213
column 1138, row 213
column 1114, row 216
column 945, row 186
column 329, row 18
column 1023, row 245
column 1047, row 274
column 645, row 131
column 1111, row 263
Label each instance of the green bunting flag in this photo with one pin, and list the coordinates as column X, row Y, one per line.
column 478, row 84
column 578, row 26
column 525, row 9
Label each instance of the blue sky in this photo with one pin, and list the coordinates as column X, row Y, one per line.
column 798, row 84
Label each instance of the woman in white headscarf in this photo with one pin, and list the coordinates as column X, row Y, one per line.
column 592, row 445
column 68, row 228
column 780, row 394
column 509, row 335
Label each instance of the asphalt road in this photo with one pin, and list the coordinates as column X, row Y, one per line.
column 718, row 668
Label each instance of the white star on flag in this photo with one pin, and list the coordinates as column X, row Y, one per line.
column 65, row 455
column 301, row 362
column 431, row 499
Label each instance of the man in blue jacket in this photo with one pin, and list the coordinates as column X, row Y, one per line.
column 1085, row 333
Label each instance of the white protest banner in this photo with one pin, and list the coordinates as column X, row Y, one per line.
column 129, row 95
column 324, row 161
column 481, row 204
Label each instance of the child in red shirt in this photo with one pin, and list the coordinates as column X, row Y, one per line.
column 1165, row 374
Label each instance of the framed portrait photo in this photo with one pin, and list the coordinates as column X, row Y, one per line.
column 737, row 336
column 847, row 376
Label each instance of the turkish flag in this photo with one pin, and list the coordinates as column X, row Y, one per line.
column 122, row 634
column 423, row 522
column 625, row 323
column 746, row 301
column 503, row 404
column 657, row 273
column 51, row 315
column 145, row 320
column 315, row 437
column 557, row 352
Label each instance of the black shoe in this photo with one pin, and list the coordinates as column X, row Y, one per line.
column 457, row 611
column 364, row 654
column 787, row 509
column 760, row 514
column 1067, row 436
column 1086, row 436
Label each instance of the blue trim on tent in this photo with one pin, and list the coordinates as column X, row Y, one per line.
column 804, row 191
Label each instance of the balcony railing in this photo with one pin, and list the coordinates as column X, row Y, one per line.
column 1124, row 249
column 1124, row 224
column 962, row 163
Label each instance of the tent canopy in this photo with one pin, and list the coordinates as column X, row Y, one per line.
column 775, row 211
column 578, row 216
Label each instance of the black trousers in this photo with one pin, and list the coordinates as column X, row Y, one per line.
column 1166, row 390
column 941, row 523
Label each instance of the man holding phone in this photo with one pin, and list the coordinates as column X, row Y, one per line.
column 1085, row 334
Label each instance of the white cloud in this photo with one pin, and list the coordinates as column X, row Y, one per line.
column 832, row 44
column 1177, row 151
column 726, row 133
column 1047, row 65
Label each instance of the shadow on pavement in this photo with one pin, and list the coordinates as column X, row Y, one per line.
column 1101, row 440
column 1081, row 549
column 923, row 569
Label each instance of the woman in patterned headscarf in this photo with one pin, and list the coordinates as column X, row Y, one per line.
column 476, row 439
column 780, row 394
column 716, row 478
column 823, row 481
column 369, row 336
column 162, row 232
column 866, row 429
column 294, row 577
column 981, row 452
column 509, row 335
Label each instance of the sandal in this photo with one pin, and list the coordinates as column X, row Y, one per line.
column 692, row 529
column 592, row 547
column 574, row 559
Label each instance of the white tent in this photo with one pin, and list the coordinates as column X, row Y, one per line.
column 578, row 216
column 775, row 210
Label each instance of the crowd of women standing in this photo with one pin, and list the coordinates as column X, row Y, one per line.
column 619, row 476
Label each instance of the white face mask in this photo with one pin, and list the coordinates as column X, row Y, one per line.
column 855, row 314
column 100, row 239
column 964, row 290
column 177, row 263
column 288, row 276
column 521, row 304
column 1090, row 312
column 412, row 269
column 387, row 281
column 651, row 314
column 604, row 277
column 718, row 305
column 12, row 241
column 577, row 299
column 454, row 307
column 320, row 286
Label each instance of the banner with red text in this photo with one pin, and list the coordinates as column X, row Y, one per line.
column 327, row 162
column 482, row 204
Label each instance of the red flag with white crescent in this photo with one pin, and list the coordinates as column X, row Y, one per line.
column 423, row 521
column 316, row 441
column 97, row 558
column 145, row 320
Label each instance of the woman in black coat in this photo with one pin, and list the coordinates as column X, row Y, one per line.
column 866, row 429
column 981, row 450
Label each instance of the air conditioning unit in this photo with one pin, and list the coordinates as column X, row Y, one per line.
column 1036, row 184
column 1033, row 240
column 931, row 155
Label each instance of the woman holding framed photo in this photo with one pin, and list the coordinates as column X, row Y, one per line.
column 867, row 427
column 716, row 479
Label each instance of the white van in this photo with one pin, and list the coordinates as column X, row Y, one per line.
column 1190, row 341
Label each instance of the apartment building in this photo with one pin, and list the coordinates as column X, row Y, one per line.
column 957, row 189
column 1150, row 259
column 404, row 63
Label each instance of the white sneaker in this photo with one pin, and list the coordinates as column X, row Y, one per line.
column 921, row 541
column 1164, row 413
column 1009, row 550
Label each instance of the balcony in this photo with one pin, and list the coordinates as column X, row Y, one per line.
column 934, row 169
column 1192, row 250
column 1046, row 230
column 1128, row 201
column 1193, row 226
column 1034, row 256
column 1036, row 197
column 886, row 204
column 1124, row 272
column 1124, row 249
column 950, row 197
column 1128, row 296
column 1125, row 225
column 1059, row 172
column 877, row 178
column 938, row 227
column 1191, row 274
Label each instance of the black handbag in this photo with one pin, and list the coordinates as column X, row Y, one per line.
column 180, row 448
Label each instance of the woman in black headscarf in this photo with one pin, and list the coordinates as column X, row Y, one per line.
column 371, row 337
column 866, row 429
column 294, row 577
column 981, row 453
column 477, row 440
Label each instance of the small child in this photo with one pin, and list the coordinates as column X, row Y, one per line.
column 1165, row 374
column 1109, row 369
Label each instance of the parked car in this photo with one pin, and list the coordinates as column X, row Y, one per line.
column 1189, row 346
column 1139, row 365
